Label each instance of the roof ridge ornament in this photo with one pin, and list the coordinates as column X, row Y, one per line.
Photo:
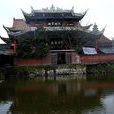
column 23, row 12
column 103, row 30
column 84, row 13
column 72, row 9
column 32, row 9
column 52, row 8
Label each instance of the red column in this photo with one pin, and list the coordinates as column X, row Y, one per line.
column 96, row 45
column 14, row 46
column 31, row 48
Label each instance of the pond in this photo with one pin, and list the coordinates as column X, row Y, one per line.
column 33, row 96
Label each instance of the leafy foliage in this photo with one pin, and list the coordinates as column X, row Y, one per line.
column 39, row 43
column 24, row 47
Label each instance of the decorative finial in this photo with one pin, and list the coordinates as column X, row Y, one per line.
column 102, row 31
column 32, row 8
column 72, row 9
column 23, row 12
column 52, row 7
column 85, row 12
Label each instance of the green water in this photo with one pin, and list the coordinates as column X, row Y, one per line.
column 25, row 96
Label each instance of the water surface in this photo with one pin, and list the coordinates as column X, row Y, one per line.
column 24, row 96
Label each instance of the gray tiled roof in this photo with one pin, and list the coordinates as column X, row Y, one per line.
column 107, row 50
column 3, row 53
column 4, row 46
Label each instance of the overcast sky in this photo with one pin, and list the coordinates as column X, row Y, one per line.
column 100, row 12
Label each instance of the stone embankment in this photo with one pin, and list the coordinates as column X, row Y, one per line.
column 44, row 71
column 102, row 69
column 56, row 71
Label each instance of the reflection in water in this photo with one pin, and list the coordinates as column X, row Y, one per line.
column 108, row 102
column 56, row 97
column 4, row 107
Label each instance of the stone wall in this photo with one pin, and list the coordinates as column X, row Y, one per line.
column 44, row 70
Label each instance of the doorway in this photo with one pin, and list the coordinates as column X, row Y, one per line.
column 61, row 59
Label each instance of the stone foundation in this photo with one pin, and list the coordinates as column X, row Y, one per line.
column 45, row 71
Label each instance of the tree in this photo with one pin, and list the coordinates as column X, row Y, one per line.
column 39, row 43
column 24, row 47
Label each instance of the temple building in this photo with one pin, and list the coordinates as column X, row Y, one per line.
column 79, row 44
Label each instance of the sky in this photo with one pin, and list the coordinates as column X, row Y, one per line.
column 100, row 12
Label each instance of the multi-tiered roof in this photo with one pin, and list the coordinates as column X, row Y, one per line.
column 53, row 19
column 59, row 20
column 56, row 18
column 52, row 14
